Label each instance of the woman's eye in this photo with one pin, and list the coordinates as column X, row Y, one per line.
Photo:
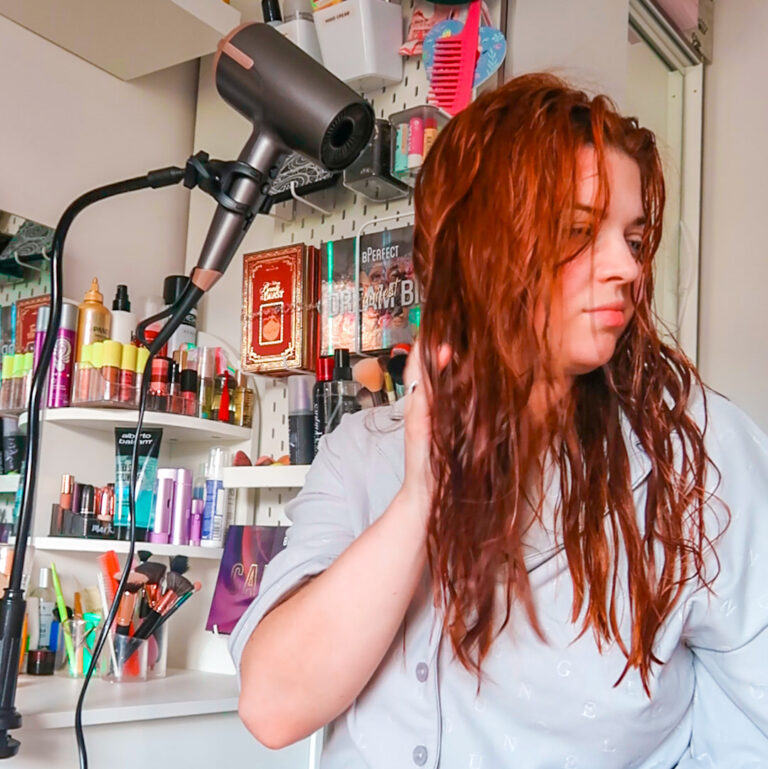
column 581, row 231
column 635, row 245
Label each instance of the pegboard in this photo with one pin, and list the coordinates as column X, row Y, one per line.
column 348, row 211
column 33, row 284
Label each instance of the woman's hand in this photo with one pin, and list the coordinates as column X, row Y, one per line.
column 418, row 483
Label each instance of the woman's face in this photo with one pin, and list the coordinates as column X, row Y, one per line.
column 592, row 300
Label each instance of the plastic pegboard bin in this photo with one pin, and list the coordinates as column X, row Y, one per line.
column 359, row 40
column 414, row 131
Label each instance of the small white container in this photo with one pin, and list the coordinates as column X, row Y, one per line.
column 359, row 40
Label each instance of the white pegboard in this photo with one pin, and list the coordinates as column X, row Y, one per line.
column 348, row 212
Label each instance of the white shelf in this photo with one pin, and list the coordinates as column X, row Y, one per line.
column 76, row 544
column 48, row 702
column 128, row 39
column 272, row 477
column 175, row 426
column 9, row 483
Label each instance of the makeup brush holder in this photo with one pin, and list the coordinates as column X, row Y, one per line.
column 129, row 659
column 75, row 657
column 359, row 40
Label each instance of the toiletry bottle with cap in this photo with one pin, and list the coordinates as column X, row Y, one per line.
column 61, row 375
column 244, row 398
column 301, row 442
column 186, row 334
column 343, row 391
column 123, row 320
column 41, row 325
column 152, row 306
column 47, row 600
column 94, row 319
column 299, row 27
column 219, row 502
column 206, row 373
column 321, row 394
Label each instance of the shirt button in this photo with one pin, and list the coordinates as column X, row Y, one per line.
column 422, row 671
column 419, row 755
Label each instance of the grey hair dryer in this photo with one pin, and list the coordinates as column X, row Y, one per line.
column 295, row 105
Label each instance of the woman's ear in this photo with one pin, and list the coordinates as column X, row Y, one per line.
column 444, row 355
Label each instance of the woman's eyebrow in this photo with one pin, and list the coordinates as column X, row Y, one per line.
column 600, row 214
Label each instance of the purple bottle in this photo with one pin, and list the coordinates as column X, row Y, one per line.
column 60, row 381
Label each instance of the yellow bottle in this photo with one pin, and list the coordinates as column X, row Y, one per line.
column 94, row 320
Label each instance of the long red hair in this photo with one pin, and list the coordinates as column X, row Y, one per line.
column 493, row 204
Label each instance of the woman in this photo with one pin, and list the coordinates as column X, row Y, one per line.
column 551, row 552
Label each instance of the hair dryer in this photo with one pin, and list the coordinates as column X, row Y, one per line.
column 295, row 104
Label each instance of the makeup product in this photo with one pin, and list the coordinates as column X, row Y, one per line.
column 301, row 441
column 321, row 395
column 14, row 445
column 163, row 507
column 343, row 392
column 179, row 603
column 127, row 379
column 152, row 306
column 110, row 370
column 219, row 502
column 96, row 387
column 149, row 450
column 41, row 662
column 5, row 384
column 189, row 392
column 368, row 374
column 150, row 622
column 430, row 134
column 17, row 382
column 400, row 163
column 142, row 356
column 83, row 369
column 125, row 613
column 27, row 378
column 62, row 614
column 62, row 365
column 175, row 401
column 94, row 319
column 415, row 143
column 41, row 324
column 157, row 399
column 206, row 372
column 186, row 334
column 123, row 320
column 196, row 522
column 45, row 597
column 77, row 493
column 182, row 507
column 65, row 498
column 220, row 402
column 244, row 398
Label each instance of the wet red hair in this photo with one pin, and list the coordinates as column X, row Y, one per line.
column 493, row 223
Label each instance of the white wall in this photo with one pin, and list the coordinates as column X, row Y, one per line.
column 733, row 354
column 584, row 41
column 67, row 127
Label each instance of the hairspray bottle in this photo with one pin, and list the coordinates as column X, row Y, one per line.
column 219, row 502
column 60, row 377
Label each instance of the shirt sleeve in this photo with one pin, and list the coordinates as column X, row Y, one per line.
column 727, row 629
column 321, row 530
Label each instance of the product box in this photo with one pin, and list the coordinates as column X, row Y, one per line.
column 26, row 319
column 339, row 305
column 389, row 294
column 279, row 324
column 247, row 550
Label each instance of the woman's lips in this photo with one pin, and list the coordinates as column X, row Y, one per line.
column 609, row 316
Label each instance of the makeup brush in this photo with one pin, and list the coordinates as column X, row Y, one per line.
column 128, row 603
column 177, row 583
column 179, row 603
column 154, row 571
column 368, row 373
column 179, row 564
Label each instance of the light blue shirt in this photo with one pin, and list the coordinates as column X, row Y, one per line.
column 553, row 704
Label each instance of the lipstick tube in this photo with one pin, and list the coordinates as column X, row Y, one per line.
column 65, row 498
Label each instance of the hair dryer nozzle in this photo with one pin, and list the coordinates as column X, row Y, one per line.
column 284, row 92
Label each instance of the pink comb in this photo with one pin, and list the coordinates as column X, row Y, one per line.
column 453, row 71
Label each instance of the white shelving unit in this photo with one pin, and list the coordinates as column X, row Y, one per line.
column 270, row 477
column 176, row 427
column 128, row 39
column 81, row 545
column 9, row 483
column 48, row 702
